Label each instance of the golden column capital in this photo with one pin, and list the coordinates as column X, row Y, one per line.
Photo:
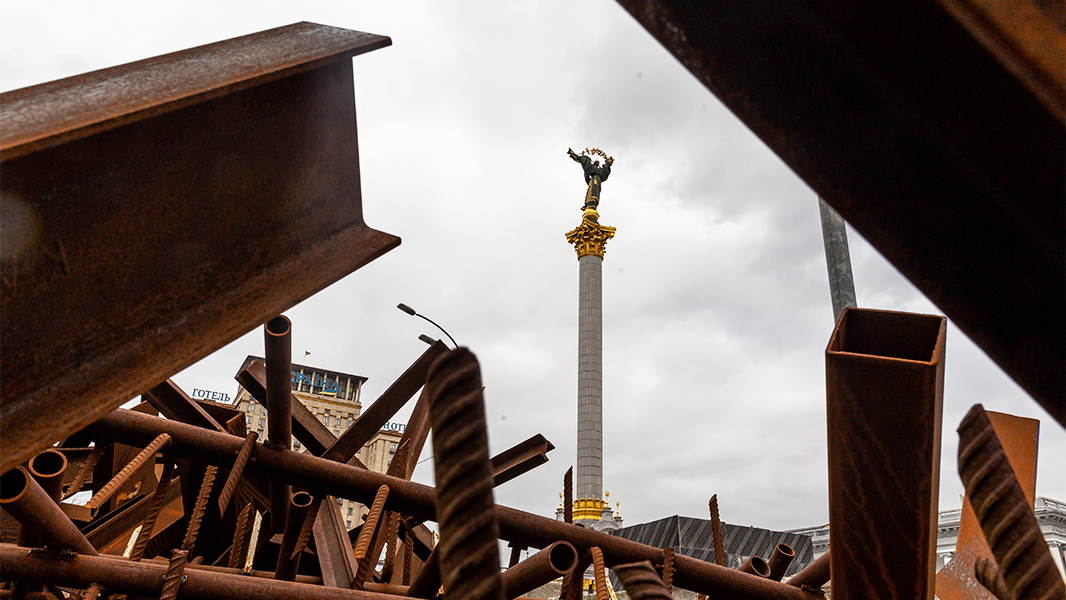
column 590, row 238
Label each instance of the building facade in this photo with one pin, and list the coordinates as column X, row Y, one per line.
column 334, row 398
column 1050, row 515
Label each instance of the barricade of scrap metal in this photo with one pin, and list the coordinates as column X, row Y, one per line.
column 174, row 202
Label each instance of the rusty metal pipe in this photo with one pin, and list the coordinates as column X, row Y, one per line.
column 779, row 561
column 48, row 468
column 320, row 475
column 813, row 575
column 545, row 566
column 277, row 334
column 755, row 566
column 146, row 578
column 25, row 500
column 287, row 563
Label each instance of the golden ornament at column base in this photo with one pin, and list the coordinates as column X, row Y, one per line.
column 588, row 508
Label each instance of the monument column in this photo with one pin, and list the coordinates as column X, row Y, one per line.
column 589, row 240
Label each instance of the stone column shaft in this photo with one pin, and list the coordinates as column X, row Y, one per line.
column 589, row 473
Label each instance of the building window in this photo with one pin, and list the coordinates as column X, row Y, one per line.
column 336, row 432
column 349, row 511
column 392, row 447
column 349, row 523
column 349, row 422
column 296, row 445
column 325, row 420
column 327, row 412
column 337, row 421
column 351, row 416
column 262, row 421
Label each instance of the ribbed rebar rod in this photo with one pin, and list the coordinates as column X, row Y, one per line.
column 277, row 334
column 641, row 582
column 366, row 536
column 83, row 473
column 23, row 499
column 568, row 496
column 599, row 574
column 240, row 536
column 987, row 574
column 322, row 475
column 123, row 476
column 309, row 523
column 668, row 569
column 408, row 555
column 198, row 509
column 235, row 473
column 155, row 504
column 1007, row 520
column 466, row 511
column 93, row 592
column 391, row 546
column 716, row 531
column 289, row 561
column 175, row 573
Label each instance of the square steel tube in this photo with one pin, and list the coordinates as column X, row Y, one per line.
column 884, row 392
column 170, row 206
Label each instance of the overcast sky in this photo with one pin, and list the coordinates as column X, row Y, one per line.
column 716, row 301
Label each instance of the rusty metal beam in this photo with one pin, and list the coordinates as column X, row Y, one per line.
column 316, row 475
column 218, row 174
column 521, row 458
column 391, row 400
column 916, row 128
column 884, row 404
column 173, row 403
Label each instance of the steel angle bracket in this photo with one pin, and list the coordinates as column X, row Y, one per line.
column 155, row 211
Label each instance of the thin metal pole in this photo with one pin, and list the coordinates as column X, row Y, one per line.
column 837, row 259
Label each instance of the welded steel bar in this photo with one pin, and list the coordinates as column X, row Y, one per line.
column 372, row 419
column 716, row 531
column 304, row 536
column 288, row 560
column 236, row 471
column 884, row 390
column 896, row 118
column 277, row 334
column 543, row 567
column 1004, row 513
column 641, row 582
column 146, row 578
column 317, row 475
column 23, row 499
column 417, row 431
column 574, row 581
column 520, row 458
column 264, row 97
column 466, row 513
column 127, row 471
column 813, row 575
column 48, row 469
column 516, row 554
column 408, row 555
column 336, row 558
column 599, row 574
column 240, row 536
column 779, row 561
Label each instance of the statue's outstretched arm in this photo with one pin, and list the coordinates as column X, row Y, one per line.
column 574, row 156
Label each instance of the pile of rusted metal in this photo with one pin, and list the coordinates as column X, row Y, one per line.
column 226, row 178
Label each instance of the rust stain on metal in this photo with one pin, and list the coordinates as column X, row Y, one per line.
column 1004, row 513
column 466, row 513
column 716, row 531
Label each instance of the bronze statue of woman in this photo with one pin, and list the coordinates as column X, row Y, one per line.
column 595, row 174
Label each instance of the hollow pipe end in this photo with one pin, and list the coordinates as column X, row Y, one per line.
column 48, row 464
column 278, row 326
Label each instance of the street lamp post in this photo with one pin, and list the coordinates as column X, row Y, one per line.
column 423, row 337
